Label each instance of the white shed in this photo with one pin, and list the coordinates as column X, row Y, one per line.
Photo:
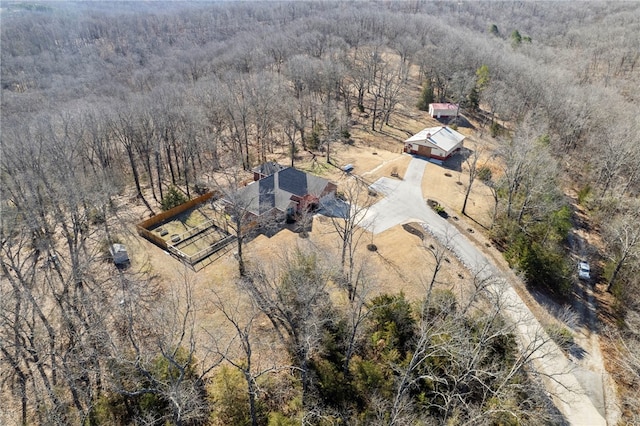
column 119, row 254
column 443, row 110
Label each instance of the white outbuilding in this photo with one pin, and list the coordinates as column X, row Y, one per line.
column 443, row 110
column 434, row 142
column 119, row 254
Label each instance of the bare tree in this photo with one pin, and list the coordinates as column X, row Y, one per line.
column 240, row 210
column 290, row 128
column 472, row 166
column 486, row 176
column 356, row 313
column 391, row 81
column 265, row 98
column 236, row 98
column 530, row 175
column 215, row 124
column 157, row 356
column 124, row 127
column 295, row 300
column 623, row 235
column 242, row 316
column 439, row 250
column 617, row 170
column 347, row 214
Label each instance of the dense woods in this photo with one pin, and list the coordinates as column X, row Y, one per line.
column 109, row 105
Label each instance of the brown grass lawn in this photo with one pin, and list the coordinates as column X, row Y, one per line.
column 401, row 262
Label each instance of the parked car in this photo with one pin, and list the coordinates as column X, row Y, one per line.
column 584, row 271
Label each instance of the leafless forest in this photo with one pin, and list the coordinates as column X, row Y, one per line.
column 108, row 105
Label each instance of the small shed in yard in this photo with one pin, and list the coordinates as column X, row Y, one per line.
column 119, row 254
column 443, row 110
column 434, row 142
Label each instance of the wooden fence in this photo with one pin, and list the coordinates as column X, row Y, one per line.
column 143, row 227
column 161, row 217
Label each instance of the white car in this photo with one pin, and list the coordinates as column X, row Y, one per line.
column 584, row 271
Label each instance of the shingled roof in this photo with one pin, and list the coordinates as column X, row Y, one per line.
column 280, row 189
column 268, row 168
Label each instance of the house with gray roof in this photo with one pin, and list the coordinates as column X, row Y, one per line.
column 288, row 191
column 266, row 169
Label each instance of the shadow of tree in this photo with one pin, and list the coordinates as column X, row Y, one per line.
column 577, row 351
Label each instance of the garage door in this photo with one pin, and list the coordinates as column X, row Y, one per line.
column 424, row 151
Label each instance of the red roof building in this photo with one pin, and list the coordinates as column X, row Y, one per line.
column 443, row 110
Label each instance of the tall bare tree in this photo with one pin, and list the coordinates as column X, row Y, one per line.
column 126, row 131
column 623, row 236
column 347, row 214
column 472, row 167
column 235, row 209
column 295, row 299
column 242, row 315
column 156, row 357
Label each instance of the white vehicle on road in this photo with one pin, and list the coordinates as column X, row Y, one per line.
column 584, row 271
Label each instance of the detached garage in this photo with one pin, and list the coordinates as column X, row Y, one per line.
column 434, row 142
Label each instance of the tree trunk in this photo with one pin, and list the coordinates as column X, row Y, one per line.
column 241, row 267
column 252, row 397
column 159, row 173
column 495, row 209
column 186, row 175
column 136, row 178
column 509, row 203
column 374, row 113
column 147, row 164
column 466, row 198
column 616, row 271
column 245, row 134
column 168, row 151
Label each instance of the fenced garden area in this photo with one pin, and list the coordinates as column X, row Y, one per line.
column 191, row 231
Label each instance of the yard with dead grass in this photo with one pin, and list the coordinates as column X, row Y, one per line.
column 401, row 261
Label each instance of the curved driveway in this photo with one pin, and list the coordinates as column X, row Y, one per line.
column 404, row 203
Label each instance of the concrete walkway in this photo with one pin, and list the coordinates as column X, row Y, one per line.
column 404, row 203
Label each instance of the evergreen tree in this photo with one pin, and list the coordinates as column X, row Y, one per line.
column 426, row 97
column 516, row 38
column 174, row 197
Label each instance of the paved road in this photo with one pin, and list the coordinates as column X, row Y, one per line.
column 404, row 203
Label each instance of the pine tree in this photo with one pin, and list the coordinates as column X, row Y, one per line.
column 426, row 97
